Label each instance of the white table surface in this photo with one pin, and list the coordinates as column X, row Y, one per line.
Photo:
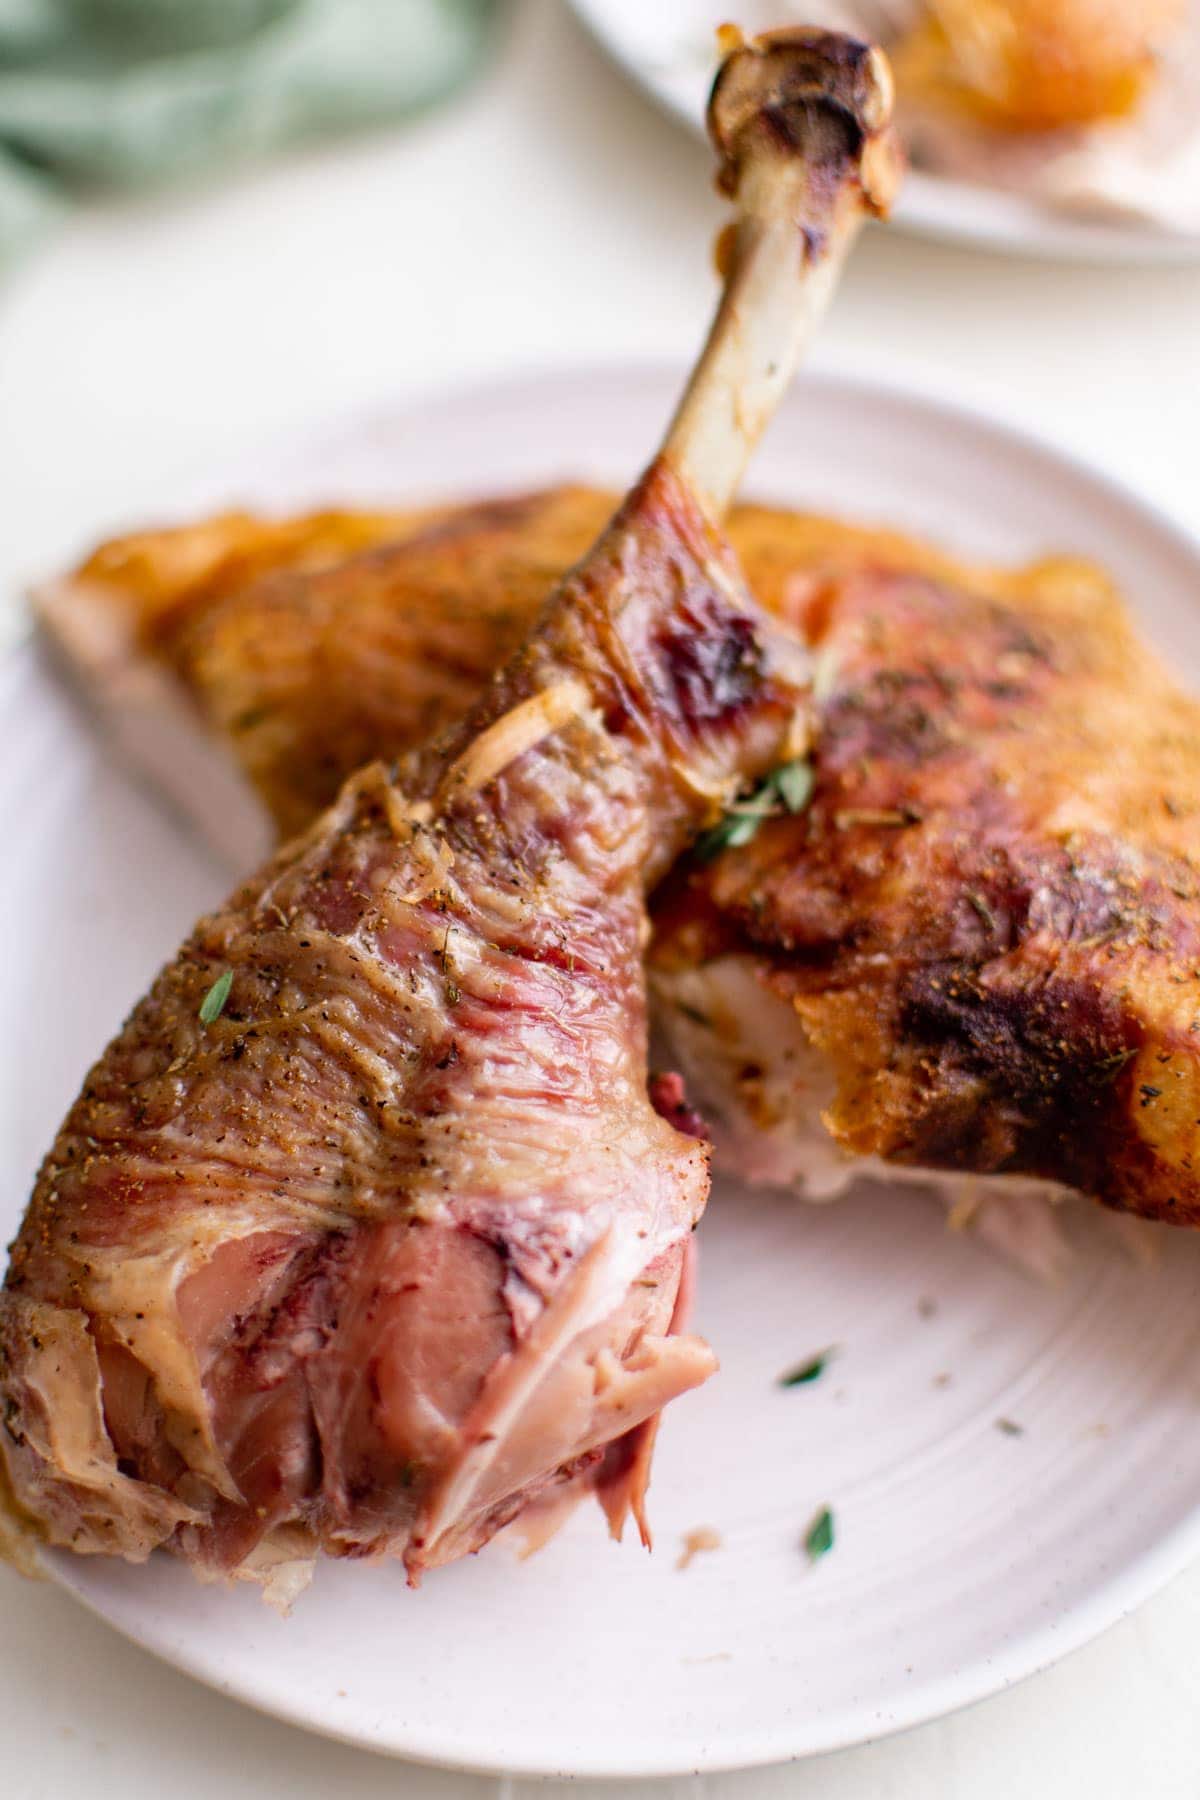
column 548, row 216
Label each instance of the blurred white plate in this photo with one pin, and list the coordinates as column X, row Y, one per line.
column 964, row 1557
column 668, row 48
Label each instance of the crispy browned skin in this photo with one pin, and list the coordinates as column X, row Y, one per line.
column 319, row 669
column 311, row 664
column 158, row 581
column 987, row 919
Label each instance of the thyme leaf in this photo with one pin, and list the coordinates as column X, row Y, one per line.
column 818, row 1539
column 804, row 1372
column 789, row 788
column 213, row 1003
column 794, row 783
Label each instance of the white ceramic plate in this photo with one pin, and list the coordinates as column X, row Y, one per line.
column 964, row 1557
column 668, row 48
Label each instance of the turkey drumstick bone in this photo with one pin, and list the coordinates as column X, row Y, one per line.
column 800, row 122
column 364, row 1233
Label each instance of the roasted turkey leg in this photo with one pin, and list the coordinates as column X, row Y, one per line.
column 364, row 1231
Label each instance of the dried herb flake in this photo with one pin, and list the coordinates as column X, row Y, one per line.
column 980, row 906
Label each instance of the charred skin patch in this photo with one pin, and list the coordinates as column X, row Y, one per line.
column 1048, row 1057
column 711, row 662
column 702, row 668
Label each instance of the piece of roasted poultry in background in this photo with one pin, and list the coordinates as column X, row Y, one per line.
column 364, row 1231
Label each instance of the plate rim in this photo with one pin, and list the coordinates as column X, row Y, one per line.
column 1147, row 1576
column 1016, row 1658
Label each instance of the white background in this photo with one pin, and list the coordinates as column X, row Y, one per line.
column 548, row 216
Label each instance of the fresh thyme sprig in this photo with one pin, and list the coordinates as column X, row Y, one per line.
column 789, row 788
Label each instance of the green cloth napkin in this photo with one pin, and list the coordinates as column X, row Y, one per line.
column 124, row 93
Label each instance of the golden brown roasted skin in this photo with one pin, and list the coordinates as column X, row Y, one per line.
column 311, row 660
column 987, row 919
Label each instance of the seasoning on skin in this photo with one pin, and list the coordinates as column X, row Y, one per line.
column 980, row 906
column 889, row 817
column 1111, row 1066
